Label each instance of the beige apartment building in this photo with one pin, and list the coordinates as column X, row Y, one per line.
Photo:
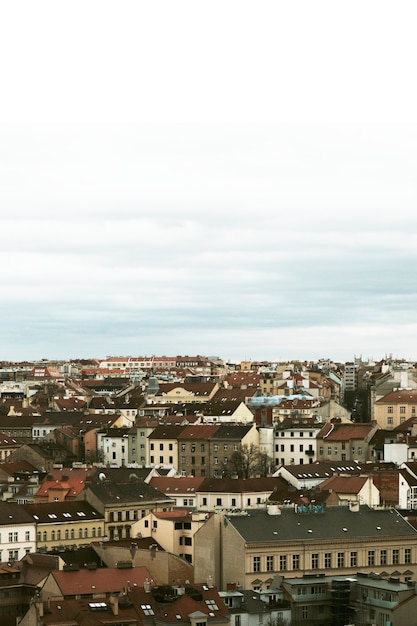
column 395, row 408
column 252, row 546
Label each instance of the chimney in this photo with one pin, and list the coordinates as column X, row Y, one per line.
column 114, row 603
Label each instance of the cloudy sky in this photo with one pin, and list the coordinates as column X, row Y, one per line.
column 176, row 183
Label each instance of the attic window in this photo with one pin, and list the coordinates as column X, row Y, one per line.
column 147, row 609
column 80, row 513
column 97, row 606
column 212, row 605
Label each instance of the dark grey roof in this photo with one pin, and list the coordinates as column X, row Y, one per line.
column 337, row 522
column 232, row 431
column 121, row 493
column 55, row 512
column 12, row 513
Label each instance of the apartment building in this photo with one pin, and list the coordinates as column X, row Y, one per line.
column 254, row 545
column 163, row 445
column 395, row 408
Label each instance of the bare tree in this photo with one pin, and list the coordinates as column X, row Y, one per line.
column 248, row 461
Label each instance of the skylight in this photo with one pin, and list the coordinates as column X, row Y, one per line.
column 212, row 605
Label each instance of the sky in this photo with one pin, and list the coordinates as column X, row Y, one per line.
column 229, row 179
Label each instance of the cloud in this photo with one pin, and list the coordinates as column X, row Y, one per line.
column 243, row 237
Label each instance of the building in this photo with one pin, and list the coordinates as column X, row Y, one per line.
column 17, row 532
column 173, row 530
column 123, row 503
column 194, row 450
column 183, row 490
column 340, row 442
column 163, row 445
column 395, row 408
column 63, row 524
column 256, row 544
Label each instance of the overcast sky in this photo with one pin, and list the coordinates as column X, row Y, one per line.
column 231, row 179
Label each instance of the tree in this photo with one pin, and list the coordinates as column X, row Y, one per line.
column 248, row 461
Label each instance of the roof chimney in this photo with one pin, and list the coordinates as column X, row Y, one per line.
column 114, row 603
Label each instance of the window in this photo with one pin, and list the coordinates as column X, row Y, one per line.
column 329, row 450
column 407, row 555
column 296, row 561
column 389, row 420
column 395, row 557
column 371, row 557
column 216, row 460
column 282, row 562
column 27, row 535
column 269, row 563
column 256, row 563
column 218, row 502
column 304, row 612
column 383, row 557
column 340, row 559
column 402, row 409
column 315, row 561
column 327, row 559
column 147, row 609
column 53, row 535
column 353, row 559
column 390, row 409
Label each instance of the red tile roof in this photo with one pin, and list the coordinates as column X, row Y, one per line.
column 344, row 484
column 102, row 580
column 403, row 396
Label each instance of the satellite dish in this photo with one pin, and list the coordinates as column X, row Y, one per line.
column 102, row 476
